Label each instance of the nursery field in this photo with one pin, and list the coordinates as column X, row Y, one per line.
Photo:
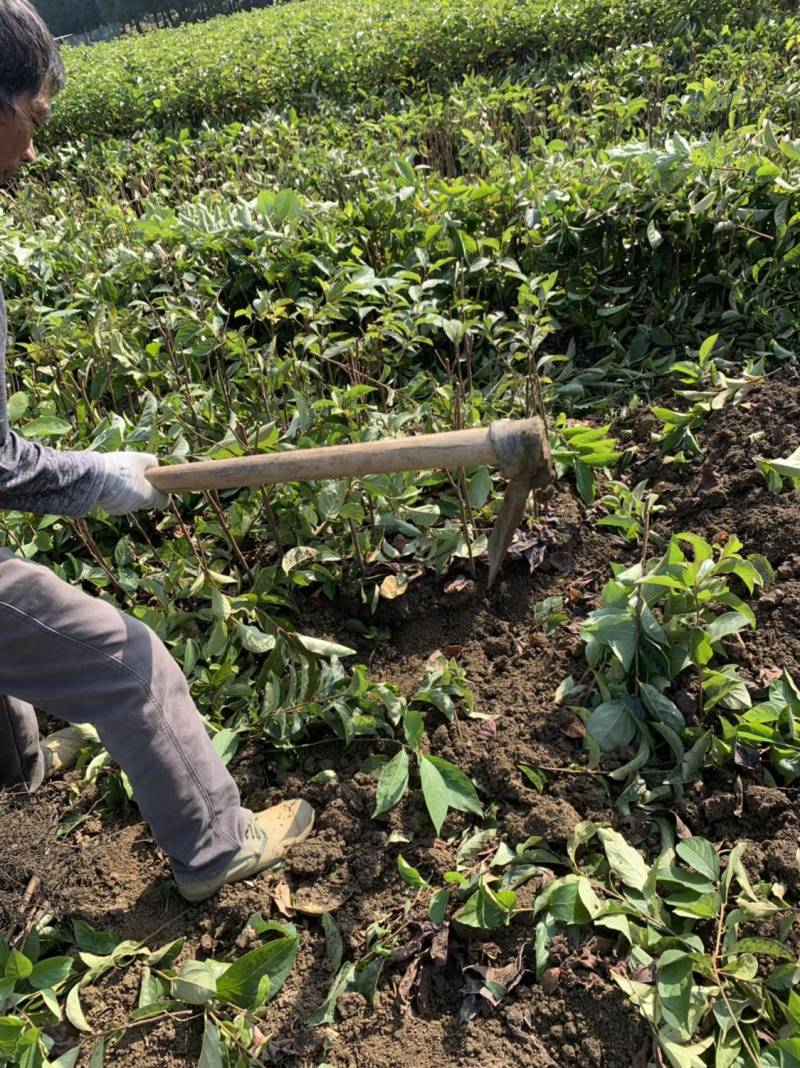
column 556, row 818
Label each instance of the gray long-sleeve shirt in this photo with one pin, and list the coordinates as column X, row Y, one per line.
column 34, row 478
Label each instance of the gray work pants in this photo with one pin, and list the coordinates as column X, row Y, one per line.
column 79, row 659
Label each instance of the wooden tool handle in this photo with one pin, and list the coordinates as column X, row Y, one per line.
column 455, row 448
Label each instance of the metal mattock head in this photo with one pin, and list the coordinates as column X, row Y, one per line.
column 523, row 456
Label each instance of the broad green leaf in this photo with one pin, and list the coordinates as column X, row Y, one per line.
column 324, row 648
column 242, row 984
column 487, row 908
column 18, row 966
column 682, row 1054
column 654, row 235
column 68, row 1059
column 50, row 972
column 226, row 744
column 408, row 874
column 570, row 899
column 616, row 630
column 47, row 426
column 17, row 406
column 611, row 725
column 437, row 909
column 674, row 987
column 700, row 906
column 11, row 1029
column 699, row 855
column 782, row 1054
column 97, row 1059
column 661, row 708
column 74, row 1011
column 196, row 983
column 624, row 860
column 461, row 794
column 165, row 955
column 537, row 778
column 766, row 946
column 435, row 792
column 334, row 947
column 213, row 1049
column 480, row 487
column 707, row 346
column 341, row 984
column 392, row 783
column 726, row 624
column 413, row 727
column 255, row 640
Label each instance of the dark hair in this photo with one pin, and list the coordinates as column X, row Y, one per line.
column 29, row 57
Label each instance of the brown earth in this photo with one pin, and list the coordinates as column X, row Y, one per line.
column 109, row 872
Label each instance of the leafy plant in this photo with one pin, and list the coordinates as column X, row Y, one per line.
column 702, row 953
column 444, row 786
column 662, row 620
column 766, row 734
column 775, row 471
column 581, row 450
column 628, row 509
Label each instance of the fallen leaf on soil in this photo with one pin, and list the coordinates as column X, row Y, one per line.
column 768, row 675
column 550, row 980
column 744, row 757
column 393, row 586
column 477, row 976
column 314, row 908
column 282, row 896
column 456, row 585
column 708, row 479
column 405, row 987
column 573, row 728
column 532, row 544
column 426, row 953
column 681, row 829
column 453, row 651
column 527, row 1034
column 487, row 731
column 440, row 947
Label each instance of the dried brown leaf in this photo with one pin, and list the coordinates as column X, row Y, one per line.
column 550, row 980
column 282, row 896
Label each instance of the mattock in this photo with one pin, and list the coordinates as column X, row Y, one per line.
column 518, row 447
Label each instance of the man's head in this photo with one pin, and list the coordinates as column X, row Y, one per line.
column 31, row 71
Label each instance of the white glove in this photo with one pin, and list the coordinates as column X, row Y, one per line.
column 125, row 489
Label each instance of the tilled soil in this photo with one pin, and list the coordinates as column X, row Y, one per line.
column 111, row 874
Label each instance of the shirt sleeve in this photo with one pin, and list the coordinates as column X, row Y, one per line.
column 35, row 478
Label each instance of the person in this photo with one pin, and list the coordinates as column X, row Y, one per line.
column 75, row 656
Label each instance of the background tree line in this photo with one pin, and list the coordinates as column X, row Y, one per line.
column 80, row 16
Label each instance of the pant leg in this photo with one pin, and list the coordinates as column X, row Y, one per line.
column 21, row 763
column 81, row 660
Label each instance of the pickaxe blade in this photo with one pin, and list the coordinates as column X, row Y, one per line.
column 523, row 454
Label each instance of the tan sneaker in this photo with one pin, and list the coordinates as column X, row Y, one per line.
column 271, row 834
column 61, row 748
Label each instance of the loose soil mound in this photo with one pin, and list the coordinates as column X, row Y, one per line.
column 113, row 876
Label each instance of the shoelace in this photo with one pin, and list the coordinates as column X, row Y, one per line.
column 253, row 832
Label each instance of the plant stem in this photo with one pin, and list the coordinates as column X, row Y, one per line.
column 640, row 593
column 80, row 528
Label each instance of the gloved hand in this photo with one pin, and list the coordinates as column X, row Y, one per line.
column 125, row 489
